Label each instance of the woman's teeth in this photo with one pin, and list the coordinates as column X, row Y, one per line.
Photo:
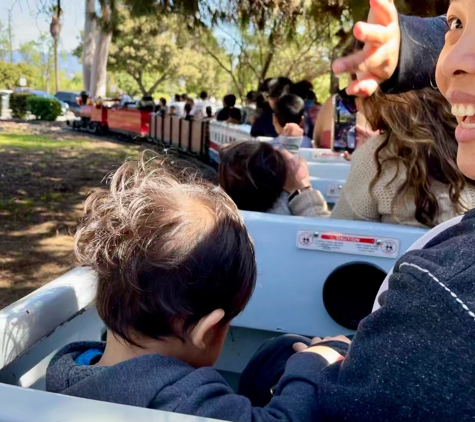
column 460, row 110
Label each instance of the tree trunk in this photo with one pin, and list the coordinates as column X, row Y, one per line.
column 101, row 54
column 56, row 65
column 89, row 44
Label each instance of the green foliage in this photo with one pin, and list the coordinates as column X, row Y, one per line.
column 40, row 55
column 44, row 108
column 19, row 104
column 158, row 51
column 10, row 74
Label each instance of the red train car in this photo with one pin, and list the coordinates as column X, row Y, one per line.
column 132, row 122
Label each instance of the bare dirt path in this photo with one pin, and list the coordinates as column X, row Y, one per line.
column 46, row 172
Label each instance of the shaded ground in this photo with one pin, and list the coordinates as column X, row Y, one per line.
column 46, row 172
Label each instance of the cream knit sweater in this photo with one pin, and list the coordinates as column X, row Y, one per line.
column 356, row 202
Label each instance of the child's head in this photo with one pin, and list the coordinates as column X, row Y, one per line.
column 278, row 87
column 456, row 78
column 229, row 100
column 288, row 109
column 174, row 259
column 172, row 110
column 253, row 174
column 234, row 116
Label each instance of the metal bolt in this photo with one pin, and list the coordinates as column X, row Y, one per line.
column 379, row 242
column 316, row 234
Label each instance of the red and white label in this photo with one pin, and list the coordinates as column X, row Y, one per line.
column 348, row 244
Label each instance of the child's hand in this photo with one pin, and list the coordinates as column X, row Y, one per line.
column 301, row 347
column 298, row 176
column 292, row 130
column 379, row 58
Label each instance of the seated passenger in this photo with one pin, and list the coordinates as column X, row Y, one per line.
column 408, row 174
column 289, row 109
column 234, row 116
column 275, row 88
column 229, row 102
column 174, row 266
column 260, row 178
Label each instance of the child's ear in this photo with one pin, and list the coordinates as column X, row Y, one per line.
column 204, row 326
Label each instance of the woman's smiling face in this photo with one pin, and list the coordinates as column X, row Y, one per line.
column 456, row 78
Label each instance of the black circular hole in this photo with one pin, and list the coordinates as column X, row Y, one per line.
column 350, row 291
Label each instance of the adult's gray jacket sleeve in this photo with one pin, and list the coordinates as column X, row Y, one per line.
column 422, row 40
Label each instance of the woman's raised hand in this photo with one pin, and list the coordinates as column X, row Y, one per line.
column 379, row 58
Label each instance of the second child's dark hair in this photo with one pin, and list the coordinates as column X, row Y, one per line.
column 203, row 95
column 166, row 252
column 289, row 109
column 279, row 86
column 177, row 98
column 252, row 96
column 253, row 174
column 229, row 100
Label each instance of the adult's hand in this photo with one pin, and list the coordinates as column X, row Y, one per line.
column 379, row 58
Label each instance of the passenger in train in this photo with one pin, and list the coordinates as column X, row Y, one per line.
column 175, row 265
column 235, row 116
column 260, row 178
column 274, row 88
column 304, row 89
column 408, row 174
column 229, row 102
column 414, row 358
column 163, row 108
column 249, row 111
column 289, row 109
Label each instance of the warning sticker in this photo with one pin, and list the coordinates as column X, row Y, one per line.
column 333, row 191
column 348, row 244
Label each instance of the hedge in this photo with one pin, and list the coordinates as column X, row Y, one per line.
column 44, row 108
column 19, row 104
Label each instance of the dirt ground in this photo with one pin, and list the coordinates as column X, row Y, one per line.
column 46, row 172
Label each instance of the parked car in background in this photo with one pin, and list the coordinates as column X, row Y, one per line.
column 43, row 94
column 71, row 99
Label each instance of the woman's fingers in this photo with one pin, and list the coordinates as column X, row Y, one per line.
column 349, row 64
column 372, row 34
column 364, row 87
column 383, row 12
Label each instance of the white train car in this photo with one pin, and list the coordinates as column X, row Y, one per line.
column 316, row 277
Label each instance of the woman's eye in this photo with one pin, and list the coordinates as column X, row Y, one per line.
column 455, row 23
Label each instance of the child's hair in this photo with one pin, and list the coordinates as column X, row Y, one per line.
column 278, row 87
column 209, row 111
column 167, row 252
column 235, row 114
column 252, row 173
column 289, row 109
column 229, row 100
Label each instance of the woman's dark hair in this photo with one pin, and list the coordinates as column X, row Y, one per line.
column 253, row 174
column 418, row 131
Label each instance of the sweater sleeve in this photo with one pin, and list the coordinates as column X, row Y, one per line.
column 296, row 398
column 309, row 203
column 422, row 41
column 356, row 201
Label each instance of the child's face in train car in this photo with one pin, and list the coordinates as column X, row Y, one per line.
column 456, row 78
